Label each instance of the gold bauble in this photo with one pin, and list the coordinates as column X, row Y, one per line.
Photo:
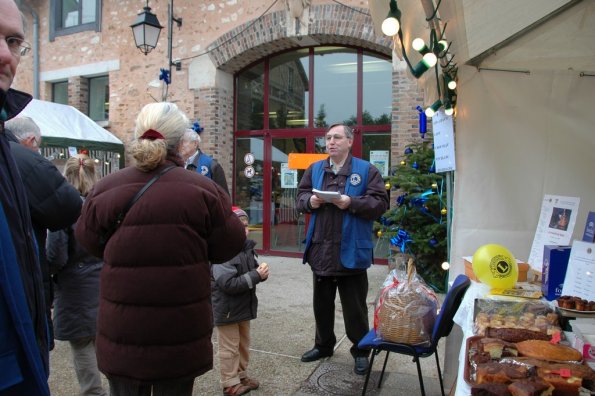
column 443, row 211
column 387, row 186
column 379, row 233
column 403, row 163
column 434, row 185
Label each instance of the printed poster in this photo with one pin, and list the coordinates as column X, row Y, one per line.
column 379, row 158
column 555, row 226
column 288, row 176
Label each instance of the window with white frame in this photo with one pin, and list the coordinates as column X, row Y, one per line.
column 99, row 98
column 73, row 16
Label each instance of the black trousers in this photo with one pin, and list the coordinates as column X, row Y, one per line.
column 353, row 291
column 170, row 388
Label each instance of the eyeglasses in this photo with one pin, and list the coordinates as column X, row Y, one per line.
column 17, row 45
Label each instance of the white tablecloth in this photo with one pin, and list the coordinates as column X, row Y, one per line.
column 464, row 318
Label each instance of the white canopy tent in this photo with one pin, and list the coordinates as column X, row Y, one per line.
column 64, row 126
column 524, row 118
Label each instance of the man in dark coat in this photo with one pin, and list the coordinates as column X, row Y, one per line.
column 54, row 203
column 24, row 355
column 196, row 160
column 339, row 244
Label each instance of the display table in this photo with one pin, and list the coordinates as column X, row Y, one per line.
column 464, row 318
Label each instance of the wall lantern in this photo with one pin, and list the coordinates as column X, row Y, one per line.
column 146, row 30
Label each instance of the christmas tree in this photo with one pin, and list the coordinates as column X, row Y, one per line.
column 416, row 222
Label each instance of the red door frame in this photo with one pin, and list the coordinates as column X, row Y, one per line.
column 310, row 134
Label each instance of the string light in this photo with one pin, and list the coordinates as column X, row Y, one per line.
column 448, row 109
column 391, row 24
column 430, row 111
column 420, row 46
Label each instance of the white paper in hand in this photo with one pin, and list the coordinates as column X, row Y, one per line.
column 328, row 196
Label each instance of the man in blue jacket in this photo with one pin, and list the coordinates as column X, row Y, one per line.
column 24, row 359
column 339, row 245
column 197, row 161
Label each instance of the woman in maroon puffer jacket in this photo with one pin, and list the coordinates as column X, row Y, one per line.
column 155, row 322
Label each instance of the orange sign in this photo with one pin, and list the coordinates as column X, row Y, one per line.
column 303, row 161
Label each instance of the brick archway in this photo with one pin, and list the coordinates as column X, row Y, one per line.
column 329, row 24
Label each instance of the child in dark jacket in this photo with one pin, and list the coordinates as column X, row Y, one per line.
column 234, row 304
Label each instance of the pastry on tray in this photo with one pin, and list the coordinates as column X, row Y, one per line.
column 516, row 334
column 531, row 387
column 576, row 303
column 490, row 389
column 535, row 316
column 497, row 348
column 500, row 373
column 575, row 369
column 563, row 385
column 547, row 351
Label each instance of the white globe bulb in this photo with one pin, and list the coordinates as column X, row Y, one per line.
column 445, row 266
column 443, row 44
column 390, row 26
column 452, row 84
column 449, row 111
column 430, row 112
column 430, row 59
column 418, row 44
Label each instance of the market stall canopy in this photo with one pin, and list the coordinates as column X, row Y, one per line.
column 65, row 126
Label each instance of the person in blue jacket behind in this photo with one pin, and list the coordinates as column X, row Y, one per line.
column 197, row 161
column 24, row 355
column 339, row 245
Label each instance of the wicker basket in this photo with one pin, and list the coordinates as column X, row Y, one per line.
column 405, row 315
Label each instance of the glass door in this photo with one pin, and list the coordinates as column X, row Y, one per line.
column 287, row 224
column 248, row 170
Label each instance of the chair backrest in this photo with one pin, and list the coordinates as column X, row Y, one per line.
column 451, row 304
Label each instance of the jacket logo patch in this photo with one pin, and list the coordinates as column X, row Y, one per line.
column 204, row 170
column 355, row 179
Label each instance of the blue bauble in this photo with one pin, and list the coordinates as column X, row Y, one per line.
column 401, row 199
column 408, row 150
column 415, row 165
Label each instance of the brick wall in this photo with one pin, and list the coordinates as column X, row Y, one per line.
column 214, row 109
column 78, row 93
column 236, row 36
column 405, row 120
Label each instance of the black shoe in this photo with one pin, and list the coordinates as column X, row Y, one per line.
column 314, row 354
column 361, row 365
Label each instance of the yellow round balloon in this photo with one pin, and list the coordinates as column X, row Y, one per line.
column 495, row 266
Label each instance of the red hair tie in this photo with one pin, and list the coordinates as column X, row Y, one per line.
column 152, row 134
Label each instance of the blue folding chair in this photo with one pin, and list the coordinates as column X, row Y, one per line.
column 442, row 328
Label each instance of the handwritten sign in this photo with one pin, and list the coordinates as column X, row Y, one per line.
column 444, row 142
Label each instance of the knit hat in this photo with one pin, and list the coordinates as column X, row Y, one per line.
column 239, row 212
